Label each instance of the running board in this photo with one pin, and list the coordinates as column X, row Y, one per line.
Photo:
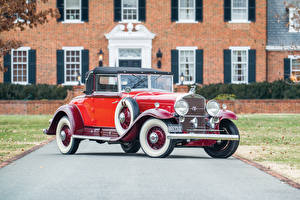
column 107, row 139
column 203, row 136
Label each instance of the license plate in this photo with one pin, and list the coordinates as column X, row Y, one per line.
column 175, row 128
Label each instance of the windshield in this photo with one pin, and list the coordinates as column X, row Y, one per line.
column 161, row 82
column 134, row 81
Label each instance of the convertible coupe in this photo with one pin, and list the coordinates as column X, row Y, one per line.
column 137, row 108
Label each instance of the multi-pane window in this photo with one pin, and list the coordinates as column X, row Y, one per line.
column 186, row 10
column 129, row 10
column 294, row 20
column 72, row 65
column 187, row 65
column 239, row 66
column 72, row 10
column 20, row 66
column 239, row 10
column 295, row 70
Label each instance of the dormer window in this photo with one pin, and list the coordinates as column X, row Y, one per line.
column 294, row 20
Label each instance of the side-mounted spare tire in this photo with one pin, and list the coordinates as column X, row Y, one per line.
column 126, row 112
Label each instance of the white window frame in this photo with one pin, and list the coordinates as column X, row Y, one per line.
column 246, row 81
column 191, row 21
column 12, row 63
column 187, row 48
column 293, row 57
column 240, row 20
column 65, row 67
column 291, row 23
column 130, row 20
column 72, row 20
column 130, row 58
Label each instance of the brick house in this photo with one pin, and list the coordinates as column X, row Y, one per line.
column 207, row 41
column 283, row 44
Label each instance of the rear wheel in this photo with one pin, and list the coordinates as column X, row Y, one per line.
column 153, row 139
column 131, row 147
column 65, row 142
column 224, row 148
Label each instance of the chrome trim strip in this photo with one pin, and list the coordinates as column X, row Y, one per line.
column 203, row 136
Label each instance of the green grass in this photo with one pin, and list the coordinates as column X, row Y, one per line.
column 271, row 137
column 20, row 133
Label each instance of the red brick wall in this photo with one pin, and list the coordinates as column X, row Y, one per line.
column 237, row 106
column 213, row 35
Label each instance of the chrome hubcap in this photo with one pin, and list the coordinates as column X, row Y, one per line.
column 153, row 137
column 122, row 117
column 63, row 135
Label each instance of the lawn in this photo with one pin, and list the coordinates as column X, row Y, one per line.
column 272, row 140
column 20, row 133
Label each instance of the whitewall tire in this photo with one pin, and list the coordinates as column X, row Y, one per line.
column 153, row 139
column 65, row 142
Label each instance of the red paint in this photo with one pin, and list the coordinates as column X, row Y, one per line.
column 127, row 117
column 67, row 131
column 226, row 114
column 161, row 138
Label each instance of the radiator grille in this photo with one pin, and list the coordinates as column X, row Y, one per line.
column 196, row 110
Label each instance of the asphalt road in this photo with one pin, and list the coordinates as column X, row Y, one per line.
column 105, row 172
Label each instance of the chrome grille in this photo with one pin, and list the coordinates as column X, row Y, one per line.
column 196, row 110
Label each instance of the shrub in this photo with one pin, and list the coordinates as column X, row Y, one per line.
column 225, row 97
column 32, row 92
column 263, row 90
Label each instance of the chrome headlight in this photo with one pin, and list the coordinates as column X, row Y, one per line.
column 212, row 108
column 181, row 107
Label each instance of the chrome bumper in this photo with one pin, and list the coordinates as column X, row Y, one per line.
column 203, row 136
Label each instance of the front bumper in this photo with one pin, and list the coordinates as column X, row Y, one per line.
column 193, row 136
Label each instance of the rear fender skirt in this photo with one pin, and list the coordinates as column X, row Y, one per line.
column 73, row 113
column 133, row 131
column 226, row 114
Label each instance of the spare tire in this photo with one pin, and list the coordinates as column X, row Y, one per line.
column 126, row 112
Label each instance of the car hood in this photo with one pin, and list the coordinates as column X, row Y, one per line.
column 146, row 100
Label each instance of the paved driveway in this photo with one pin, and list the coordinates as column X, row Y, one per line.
column 105, row 172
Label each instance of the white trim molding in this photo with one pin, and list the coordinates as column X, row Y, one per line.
column 239, row 48
column 73, row 48
column 135, row 37
column 283, row 48
column 27, row 65
column 187, row 48
column 246, row 70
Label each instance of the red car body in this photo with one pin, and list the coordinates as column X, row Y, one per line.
column 106, row 116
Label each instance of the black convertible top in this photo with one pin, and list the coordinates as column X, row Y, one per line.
column 127, row 70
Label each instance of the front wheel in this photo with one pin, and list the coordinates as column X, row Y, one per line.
column 153, row 139
column 224, row 148
column 65, row 142
column 131, row 147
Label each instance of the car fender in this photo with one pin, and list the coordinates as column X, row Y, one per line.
column 227, row 114
column 133, row 131
column 73, row 113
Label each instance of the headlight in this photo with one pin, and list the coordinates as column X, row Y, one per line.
column 181, row 107
column 212, row 108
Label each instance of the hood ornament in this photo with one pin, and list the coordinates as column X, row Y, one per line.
column 193, row 89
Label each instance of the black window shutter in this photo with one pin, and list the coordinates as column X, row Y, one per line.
column 60, row 71
column 117, row 10
column 227, row 66
column 32, row 66
column 174, row 65
column 252, row 66
column 174, row 10
column 60, row 6
column 7, row 68
column 227, row 10
column 199, row 10
column 142, row 10
column 85, row 10
column 84, row 64
column 287, row 68
column 199, row 66
column 251, row 10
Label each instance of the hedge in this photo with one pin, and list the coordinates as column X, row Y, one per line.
column 264, row 90
column 32, row 92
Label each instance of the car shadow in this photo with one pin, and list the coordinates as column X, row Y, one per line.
column 115, row 154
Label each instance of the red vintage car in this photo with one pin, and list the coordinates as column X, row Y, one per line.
column 137, row 108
